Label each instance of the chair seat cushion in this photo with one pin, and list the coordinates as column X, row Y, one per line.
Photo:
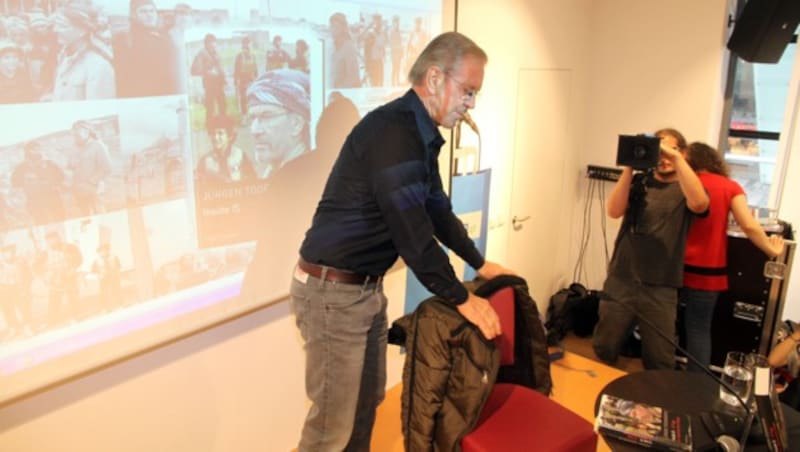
column 516, row 418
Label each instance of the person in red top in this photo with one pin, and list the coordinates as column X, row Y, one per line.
column 706, row 260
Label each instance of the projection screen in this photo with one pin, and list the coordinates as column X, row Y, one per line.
column 160, row 161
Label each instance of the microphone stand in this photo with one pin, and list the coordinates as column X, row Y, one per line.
column 749, row 413
column 471, row 123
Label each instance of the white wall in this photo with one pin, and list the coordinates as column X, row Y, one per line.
column 238, row 387
column 789, row 210
column 527, row 34
column 230, row 388
column 637, row 65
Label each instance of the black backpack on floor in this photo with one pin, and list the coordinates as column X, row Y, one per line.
column 571, row 309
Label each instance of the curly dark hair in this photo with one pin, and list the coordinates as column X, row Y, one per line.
column 703, row 157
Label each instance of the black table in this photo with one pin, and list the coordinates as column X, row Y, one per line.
column 680, row 392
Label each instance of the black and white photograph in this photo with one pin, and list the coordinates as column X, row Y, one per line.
column 64, row 162
column 59, row 275
column 154, row 147
column 55, row 51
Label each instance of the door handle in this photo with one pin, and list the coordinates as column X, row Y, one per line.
column 516, row 222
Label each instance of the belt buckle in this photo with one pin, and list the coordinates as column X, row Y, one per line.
column 370, row 279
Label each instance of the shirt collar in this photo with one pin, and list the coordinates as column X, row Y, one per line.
column 427, row 128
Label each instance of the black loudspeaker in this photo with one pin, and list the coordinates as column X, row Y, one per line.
column 763, row 30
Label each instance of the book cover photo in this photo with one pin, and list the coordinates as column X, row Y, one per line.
column 644, row 424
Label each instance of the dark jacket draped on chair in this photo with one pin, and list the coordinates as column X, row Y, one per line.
column 450, row 367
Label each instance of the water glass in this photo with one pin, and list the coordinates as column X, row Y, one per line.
column 738, row 374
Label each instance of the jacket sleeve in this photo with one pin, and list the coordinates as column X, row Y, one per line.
column 425, row 380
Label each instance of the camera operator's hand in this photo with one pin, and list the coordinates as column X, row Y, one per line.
column 696, row 196
column 670, row 153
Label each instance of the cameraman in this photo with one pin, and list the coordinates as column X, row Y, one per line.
column 646, row 269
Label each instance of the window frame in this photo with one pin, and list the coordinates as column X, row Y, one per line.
column 783, row 137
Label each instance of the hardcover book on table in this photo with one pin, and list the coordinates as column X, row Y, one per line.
column 644, row 424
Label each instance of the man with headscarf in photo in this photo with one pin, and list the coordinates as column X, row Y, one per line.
column 279, row 106
column 145, row 57
column 83, row 68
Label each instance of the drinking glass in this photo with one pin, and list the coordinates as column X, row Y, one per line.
column 738, row 374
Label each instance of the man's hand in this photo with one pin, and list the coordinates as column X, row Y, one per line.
column 491, row 270
column 481, row 314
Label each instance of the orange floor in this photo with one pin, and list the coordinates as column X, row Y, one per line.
column 576, row 383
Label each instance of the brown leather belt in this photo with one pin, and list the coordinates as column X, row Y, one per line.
column 334, row 275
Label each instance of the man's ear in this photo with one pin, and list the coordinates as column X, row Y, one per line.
column 433, row 79
column 296, row 124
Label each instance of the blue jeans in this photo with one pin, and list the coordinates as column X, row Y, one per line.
column 697, row 318
column 344, row 327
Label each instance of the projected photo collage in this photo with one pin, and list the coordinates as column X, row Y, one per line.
column 149, row 147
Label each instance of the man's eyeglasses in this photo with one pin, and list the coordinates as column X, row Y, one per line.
column 466, row 94
column 265, row 116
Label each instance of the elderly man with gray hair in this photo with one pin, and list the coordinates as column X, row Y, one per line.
column 384, row 199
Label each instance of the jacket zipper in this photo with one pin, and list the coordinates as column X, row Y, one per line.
column 486, row 393
column 485, row 372
column 412, row 380
column 484, row 377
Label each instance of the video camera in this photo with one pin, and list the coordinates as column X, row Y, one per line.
column 640, row 152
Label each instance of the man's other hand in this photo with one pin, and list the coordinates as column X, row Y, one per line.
column 491, row 270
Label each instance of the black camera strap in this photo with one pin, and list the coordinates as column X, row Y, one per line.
column 637, row 199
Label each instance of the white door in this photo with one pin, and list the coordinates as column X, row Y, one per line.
column 538, row 176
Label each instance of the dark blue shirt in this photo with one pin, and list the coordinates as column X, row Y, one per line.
column 384, row 198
